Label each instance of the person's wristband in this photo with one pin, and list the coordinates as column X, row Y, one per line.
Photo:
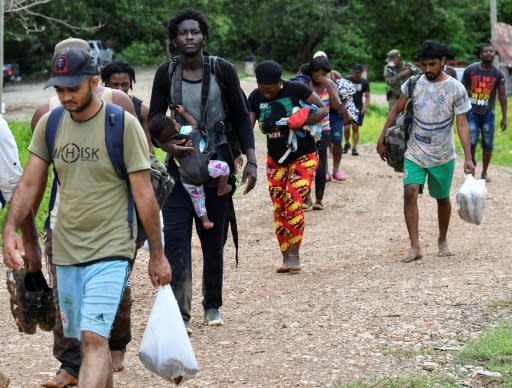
column 253, row 164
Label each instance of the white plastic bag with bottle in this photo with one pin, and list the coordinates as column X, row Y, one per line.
column 471, row 199
column 165, row 348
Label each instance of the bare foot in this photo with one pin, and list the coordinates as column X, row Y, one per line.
column 117, row 360
column 414, row 254
column 205, row 221
column 226, row 189
column 4, row 381
column 61, row 380
column 443, row 249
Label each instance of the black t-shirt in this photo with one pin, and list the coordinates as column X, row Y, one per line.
column 269, row 111
column 481, row 86
column 362, row 86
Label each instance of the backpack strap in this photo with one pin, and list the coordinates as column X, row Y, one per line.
column 412, row 84
column 114, row 136
column 231, row 221
column 51, row 132
column 210, row 66
column 114, row 139
column 173, row 64
column 231, row 215
column 51, row 129
column 137, row 104
column 409, row 108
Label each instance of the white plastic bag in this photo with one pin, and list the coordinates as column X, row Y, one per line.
column 471, row 200
column 165, row 348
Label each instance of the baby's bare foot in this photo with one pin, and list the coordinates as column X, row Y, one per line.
column 443, row 249
column 413, row 255
column 205, row 221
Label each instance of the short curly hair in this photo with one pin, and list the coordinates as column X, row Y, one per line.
column 432, row 49
column 484, row 45
column 188, row 14
column 121, row 67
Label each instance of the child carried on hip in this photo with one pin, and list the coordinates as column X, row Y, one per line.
column 165, row 129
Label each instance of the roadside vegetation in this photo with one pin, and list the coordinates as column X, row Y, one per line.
column 349, row 32
column 490, row 353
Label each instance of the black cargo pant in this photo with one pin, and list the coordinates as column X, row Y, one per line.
column 67, row 350
column 178, row 213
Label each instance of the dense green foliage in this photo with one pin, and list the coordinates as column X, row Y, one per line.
column 288, row 31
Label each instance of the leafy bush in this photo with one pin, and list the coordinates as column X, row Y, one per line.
column 142, row 53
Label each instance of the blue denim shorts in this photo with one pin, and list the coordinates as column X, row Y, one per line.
column 336, row 133
column 89, row 295
column 482, row 124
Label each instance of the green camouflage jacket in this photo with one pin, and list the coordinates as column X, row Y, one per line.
column 394, row 81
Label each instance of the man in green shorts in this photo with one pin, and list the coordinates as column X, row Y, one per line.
column 438, row 100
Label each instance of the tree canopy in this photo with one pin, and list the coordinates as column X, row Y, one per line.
column 288, row 31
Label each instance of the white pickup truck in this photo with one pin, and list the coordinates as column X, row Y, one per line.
column 101, row 55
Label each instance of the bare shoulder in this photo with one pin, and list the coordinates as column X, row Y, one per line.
column 335, row 74
column 40, row 111
column 123, row 100
column 144, row 110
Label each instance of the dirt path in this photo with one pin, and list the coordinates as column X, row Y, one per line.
column 355, row 311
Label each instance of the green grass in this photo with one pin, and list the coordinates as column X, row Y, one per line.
column 423, row 380
column 493, row 351
column 23, row 134
column 408, row 352
column 378, row 87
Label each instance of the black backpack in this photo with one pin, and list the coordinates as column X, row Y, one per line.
column 224, row 145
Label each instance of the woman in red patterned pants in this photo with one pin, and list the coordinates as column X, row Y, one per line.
column 291, row 152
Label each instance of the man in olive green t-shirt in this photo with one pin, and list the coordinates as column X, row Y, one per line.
column 92, row 244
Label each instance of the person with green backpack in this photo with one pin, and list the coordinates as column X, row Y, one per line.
column 438, row 100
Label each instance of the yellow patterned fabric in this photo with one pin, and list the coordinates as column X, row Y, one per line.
column 288, row 186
